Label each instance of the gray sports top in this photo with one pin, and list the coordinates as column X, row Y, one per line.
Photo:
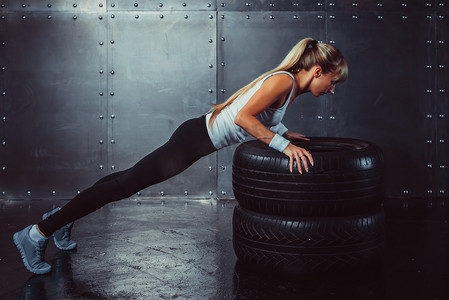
column 225, row 132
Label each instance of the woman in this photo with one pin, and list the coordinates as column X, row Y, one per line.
column 308, row 67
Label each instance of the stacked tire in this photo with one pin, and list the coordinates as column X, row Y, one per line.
column 328, row 219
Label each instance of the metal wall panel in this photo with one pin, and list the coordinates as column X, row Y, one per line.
column 381, row 101
column 164, row 74
column 50, row 103
column 441, row 113
column 252, row 43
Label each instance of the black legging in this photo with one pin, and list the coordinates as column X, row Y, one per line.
column 188, row 143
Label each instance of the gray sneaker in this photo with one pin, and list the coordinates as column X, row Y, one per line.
column 32, row 252
column 62, row 235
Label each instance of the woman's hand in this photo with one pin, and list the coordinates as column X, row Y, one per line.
column 299, row 154
column 290, row 135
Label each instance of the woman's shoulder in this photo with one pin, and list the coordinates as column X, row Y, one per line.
column 283, row 80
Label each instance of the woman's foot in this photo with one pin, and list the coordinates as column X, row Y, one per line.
column 62, row 235
column 32, row 252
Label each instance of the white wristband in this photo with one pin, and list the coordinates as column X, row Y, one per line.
column 279, row 143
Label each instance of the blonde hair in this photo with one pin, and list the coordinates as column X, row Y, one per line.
column 303, row 56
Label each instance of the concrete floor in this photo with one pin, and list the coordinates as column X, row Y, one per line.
column 174, row 249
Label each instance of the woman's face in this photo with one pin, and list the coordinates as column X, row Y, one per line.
column 323, row 83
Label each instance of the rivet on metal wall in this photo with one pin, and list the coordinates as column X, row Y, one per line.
column 429, row 4
column 101, row 117
column 3, row 168
column 247, row 17
column 404, row 17
column 186, row 17
column 320, row 118
column 223, row 168
column 75, row 5
column 441, row 91
column 210, row 40
column 441, row 116
column 112, row 4
column 211, row 66
column 405, row 192
column 223, row 193
column 100, row 5
column 442, row 141
column 440, row 17
column 209, row 5
column 319, row 16
column 101, row 142
column 28, row 193
column 331, row 17
column 429, row 142
column 24, row 17
column 354, row 17
column 330, row 4
column 441, row 4
column 441, row 166
column 112, row 16
column 222, row 4
column 428, row 42
column 210, row 168
column 441, row 66
column 112, row 167
column 49, row 17
column 441, row 192
column 161, row 5
column 101, row 43
column 101, row 71
column 429, row 67
column 332, row 118
column 271, row 4
column 112, row 141
column 429, row 17
column 354, row 4
column 161, row 16
column 320, row 4
column 430, row 193
column 186, row 193
column 3, row 193
column 101, row 94
column 211, row 91
column 100, row 17
column 380, row 5
column 223, row 91
column 162, row 193
column 295, row 17
column 211, row 193
column 136, row 17
column 184, row 4
column 429, row 91
column 112, row 94
column 3, row 143
column 429, row 166
column 441, row 42
column 136, row 4
column 222, row 16
column 75, row 17
column 101, row 167
column 429, row 116
column 138, row 193
column 112, row 116
column 211, row 17
column 248, row 4
column 3, row 68
column 223, row 64
column 53, row 193
column 112, row 72
column 48, row 5
column 380, row 17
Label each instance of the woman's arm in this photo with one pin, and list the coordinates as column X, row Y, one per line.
column 275, row 88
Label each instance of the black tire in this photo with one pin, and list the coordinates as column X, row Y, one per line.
column 306, row 246
column 345, row 180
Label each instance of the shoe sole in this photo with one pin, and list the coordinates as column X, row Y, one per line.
column 22, row 253
column 73, row 246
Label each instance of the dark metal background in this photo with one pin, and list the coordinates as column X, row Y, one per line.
column 90, row 87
